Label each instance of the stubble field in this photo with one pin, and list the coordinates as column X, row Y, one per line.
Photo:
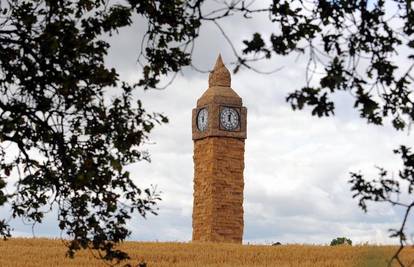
column 49, row 252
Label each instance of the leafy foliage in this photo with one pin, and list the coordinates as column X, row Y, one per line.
column 72, row 141
column 354, row 41
column 341, row 241
column 388, row 189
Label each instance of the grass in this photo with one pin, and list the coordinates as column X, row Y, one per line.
column 51, row 252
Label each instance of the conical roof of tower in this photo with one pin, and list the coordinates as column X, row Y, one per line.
column 219, row 82
column 220, row 76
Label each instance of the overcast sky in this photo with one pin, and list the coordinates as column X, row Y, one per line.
column 296, row 165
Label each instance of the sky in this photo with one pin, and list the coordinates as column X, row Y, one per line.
column 296, row 166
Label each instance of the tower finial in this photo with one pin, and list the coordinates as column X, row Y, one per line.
column 220, row 75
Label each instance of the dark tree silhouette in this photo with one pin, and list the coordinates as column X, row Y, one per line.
column 73, row 143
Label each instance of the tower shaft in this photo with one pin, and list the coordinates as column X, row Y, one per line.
column 218, row 189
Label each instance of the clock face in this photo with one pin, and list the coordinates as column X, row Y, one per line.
column 229, row 118
column 202, row 119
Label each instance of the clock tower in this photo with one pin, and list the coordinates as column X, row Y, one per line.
column 219, row 131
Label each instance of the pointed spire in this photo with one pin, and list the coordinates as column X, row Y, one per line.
column 219, row 62
column 220, row 75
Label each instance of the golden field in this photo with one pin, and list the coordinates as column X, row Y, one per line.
column 50, row 252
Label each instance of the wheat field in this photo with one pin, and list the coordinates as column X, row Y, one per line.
column 51, row 252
